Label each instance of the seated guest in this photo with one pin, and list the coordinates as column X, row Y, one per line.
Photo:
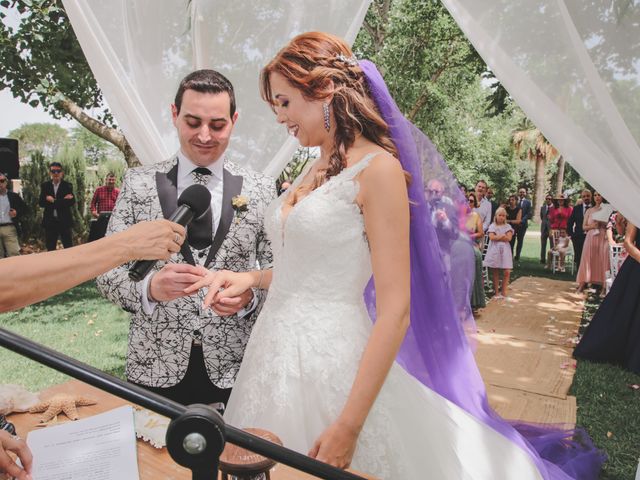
column 561, row 246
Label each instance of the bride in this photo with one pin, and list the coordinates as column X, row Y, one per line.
column 317, row 371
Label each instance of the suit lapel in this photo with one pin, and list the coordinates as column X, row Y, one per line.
column 167, row 186
column 232, row 186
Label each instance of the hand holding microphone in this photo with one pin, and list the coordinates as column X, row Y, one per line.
column 194, row 202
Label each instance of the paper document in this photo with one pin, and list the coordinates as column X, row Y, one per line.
column 603, row 214
column 102, row 447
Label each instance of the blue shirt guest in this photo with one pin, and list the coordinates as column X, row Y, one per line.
column 12, row 208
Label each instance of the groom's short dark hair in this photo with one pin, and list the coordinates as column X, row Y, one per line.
column 206, row 81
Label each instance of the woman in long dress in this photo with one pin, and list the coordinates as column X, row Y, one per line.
column 613, row 336
column 595, row 254
column 316, row 371
column 473, row 225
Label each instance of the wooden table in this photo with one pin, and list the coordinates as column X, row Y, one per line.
column 153, row 463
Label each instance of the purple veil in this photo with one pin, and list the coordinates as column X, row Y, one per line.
column 436, row 350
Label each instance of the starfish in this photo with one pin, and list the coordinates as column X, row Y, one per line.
column 61, row 403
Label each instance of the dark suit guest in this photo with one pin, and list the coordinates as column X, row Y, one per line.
column 525, row 205
column 574, row 224
column 494, row 204
column 514, row 218
column 11, row 209
column 56, row 197
column 545, row 227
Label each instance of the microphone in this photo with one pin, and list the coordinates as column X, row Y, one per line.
column 193, row 203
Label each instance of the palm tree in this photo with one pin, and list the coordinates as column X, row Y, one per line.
column 528, row 140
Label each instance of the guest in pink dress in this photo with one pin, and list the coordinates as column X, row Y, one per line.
column 498, row 256
column 595, row 254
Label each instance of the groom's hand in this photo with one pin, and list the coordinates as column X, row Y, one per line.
column 172, row 280
column 224, row 306
column 227, row 292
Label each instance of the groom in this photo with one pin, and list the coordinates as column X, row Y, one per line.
column 177, row 348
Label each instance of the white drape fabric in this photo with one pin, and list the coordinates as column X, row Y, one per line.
column 574, row 68
column 139, row 50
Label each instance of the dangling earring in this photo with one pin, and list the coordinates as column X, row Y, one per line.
column 325, row 111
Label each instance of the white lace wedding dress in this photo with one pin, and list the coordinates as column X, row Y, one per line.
column 305, row 348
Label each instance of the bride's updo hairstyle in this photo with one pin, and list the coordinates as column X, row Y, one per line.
column 310, row 62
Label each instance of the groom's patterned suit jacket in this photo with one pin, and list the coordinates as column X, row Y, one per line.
column 160, row 343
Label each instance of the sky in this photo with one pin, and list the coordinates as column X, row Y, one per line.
column 14, row 113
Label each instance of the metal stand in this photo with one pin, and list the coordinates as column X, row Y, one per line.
column 196, row 435
column 196, row 439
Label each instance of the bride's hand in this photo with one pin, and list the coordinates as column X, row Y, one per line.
column 225, row 288
column 336, row 445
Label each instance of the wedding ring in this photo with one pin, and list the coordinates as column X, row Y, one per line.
column 177, row 238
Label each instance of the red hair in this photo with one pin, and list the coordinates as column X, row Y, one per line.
column 320, row 66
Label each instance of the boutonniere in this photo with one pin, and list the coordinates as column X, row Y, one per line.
column 240, row 203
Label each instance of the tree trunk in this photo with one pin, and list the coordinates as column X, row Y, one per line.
column 109, row 134
column 560, row 176
column 538, row 186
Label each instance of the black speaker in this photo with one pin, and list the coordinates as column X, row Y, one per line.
column 9, row 163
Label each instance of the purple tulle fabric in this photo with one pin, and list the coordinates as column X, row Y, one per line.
column 436, row 350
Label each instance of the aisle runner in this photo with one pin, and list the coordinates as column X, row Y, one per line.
column 524, row 350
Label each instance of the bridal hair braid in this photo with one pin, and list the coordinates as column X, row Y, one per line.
column 310, row 63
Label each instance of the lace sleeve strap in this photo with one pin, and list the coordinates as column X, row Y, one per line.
column 352, row 172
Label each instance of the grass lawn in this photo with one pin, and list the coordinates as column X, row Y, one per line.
column 608, row 405
column 81, row 324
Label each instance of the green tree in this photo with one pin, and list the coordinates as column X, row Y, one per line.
column 33, row 174
column 423, row 54
column 96, row 150
column 435, row 76
column 43, row 64
column 47, row 138
column 529, row 142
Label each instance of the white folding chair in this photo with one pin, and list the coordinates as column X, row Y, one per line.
column 617, row 254
column 555, row 255
column 485, row 270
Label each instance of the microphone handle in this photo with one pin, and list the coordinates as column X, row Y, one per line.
column 182, row 216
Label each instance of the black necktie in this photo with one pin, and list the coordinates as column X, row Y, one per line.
column 200, row 229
